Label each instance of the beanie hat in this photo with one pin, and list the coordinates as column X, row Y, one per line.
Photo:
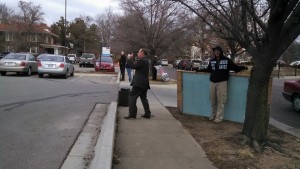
column 217, row 48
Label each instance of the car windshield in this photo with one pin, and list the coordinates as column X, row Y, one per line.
column 71, row 55
column 15, row 56
column 87, row 55
column 53, row 58
column 106, row 59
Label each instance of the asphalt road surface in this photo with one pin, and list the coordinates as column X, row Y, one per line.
column 40, row 119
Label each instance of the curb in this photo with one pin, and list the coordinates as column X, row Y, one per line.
column 292, row 131
column 105, row 143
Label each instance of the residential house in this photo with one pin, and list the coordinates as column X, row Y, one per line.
column 33, row 38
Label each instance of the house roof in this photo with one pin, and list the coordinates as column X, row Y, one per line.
column 23, row 27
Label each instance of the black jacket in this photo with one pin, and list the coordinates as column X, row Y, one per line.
column 220, row 69
column 141, row 75
column 122, row 60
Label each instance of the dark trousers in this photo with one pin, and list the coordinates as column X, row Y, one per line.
column 154, row 73
column 122, row 69
column 134, row 94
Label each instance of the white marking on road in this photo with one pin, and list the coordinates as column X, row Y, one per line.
column 77, row 78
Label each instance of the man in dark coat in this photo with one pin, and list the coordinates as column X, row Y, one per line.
column 140, row 85
column 122, row 63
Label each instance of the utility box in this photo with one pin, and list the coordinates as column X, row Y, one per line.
column 123, row 97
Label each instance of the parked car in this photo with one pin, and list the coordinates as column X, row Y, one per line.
column 87, row 59
column 295, row 64
column 193, row 64
column 291, row 92
column 182, row 64
column 40, row 57
column 164, row 62
column 204, row 64
column 72, row 58
column 175, row 63
column 105, row 63
column 19, row 63
column 2, row 54
column 55, row 65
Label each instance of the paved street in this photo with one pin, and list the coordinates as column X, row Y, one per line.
column 40, row 119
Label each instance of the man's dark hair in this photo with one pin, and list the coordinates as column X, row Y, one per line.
column 144, row 51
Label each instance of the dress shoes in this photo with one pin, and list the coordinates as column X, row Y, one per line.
column 146, row 117
column 129, row 118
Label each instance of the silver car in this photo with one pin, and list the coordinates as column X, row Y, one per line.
column 19, row 63
column 55, row 65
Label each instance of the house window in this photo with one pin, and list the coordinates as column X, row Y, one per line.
column 47, row 39
column 9, row 36
column 33, row 49
column 32, row 38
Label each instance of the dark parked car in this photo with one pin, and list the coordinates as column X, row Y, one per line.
column 193, row 64
column 182, row 64
column 291, row 92
column 87, row 59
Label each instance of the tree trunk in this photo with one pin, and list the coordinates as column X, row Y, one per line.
column 258, row 103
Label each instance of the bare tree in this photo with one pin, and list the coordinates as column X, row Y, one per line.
column 30, row 13
column 106, row 24
column 153, row 24
column 265, row 29
column 5, row 13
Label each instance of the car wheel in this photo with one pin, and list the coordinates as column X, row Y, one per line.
column 80, row 65
column 72, row 74
column 66, row 75
column 296, row 102
column 3, row 73
column 29, row 72
column 41, row 75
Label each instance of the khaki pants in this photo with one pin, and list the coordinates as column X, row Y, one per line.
column 218, row 98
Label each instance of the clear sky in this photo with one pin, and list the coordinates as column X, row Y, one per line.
column 54, row 9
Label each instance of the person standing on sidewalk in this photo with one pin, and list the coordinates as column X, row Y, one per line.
column 128, row 68
column 219, row 67
column 122, row 63
column 140, row 85
column 154, row 63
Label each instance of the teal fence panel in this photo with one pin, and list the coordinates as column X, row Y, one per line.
column 196, row 101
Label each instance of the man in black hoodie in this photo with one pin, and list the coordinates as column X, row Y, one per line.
column 219, row 67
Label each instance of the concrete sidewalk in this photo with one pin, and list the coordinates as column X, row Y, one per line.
column 157, row 143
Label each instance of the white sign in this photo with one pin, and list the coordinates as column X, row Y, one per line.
column 163, row 73
column 105, row 51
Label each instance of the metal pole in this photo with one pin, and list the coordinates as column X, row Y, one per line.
column 65, row 26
